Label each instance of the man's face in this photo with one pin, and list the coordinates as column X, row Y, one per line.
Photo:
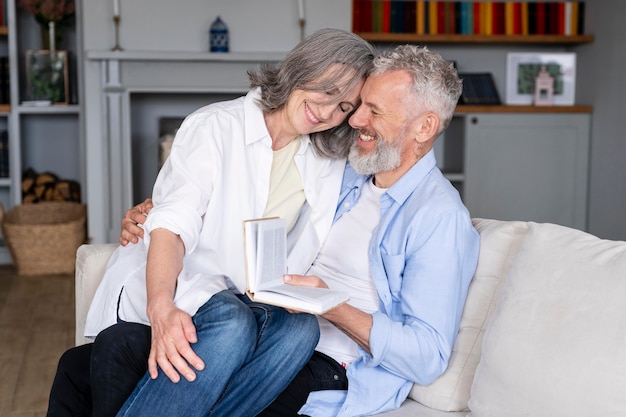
column 382, row 122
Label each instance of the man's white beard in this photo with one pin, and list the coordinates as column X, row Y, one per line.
column 386, row 157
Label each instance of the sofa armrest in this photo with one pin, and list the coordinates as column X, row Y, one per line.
column 91, row 262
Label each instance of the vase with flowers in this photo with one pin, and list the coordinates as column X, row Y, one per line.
column 52, row 16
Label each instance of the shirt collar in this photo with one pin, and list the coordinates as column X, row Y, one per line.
column 401, row 190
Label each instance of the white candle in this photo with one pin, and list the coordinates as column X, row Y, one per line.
column 52, row 37
column 116, row 7
column 301, row 9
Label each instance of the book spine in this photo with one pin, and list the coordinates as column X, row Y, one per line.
column 498, row 25
column 580, row 27
column 568, row 18
column 573, row 23
column 441, row 17
column 386, row 16
column 377, row 16
column 356, row 16
column 488, row 18
column 524, row 18
column 509, row 18
column 410, row 17
column 366, row 15
column 552, row 20
column 420, row 16
column 432, row 17
column 517, row 18
column 469, row 18
column 532, row 18
column 477, row 14
column 561, row 18
column 540, row 18
column 459, row 18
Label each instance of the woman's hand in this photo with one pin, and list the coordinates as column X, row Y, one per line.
column 173, row 332
column 132, row 222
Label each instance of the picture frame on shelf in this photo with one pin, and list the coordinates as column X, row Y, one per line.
column 522, row 68
column 47, row 76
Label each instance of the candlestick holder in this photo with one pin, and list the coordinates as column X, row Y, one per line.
column 116, row 22
column 302, row 23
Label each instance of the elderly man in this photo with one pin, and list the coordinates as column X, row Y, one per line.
column 397, row 211
column 402, row 244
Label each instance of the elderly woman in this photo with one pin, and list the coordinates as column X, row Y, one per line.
column 278, row 151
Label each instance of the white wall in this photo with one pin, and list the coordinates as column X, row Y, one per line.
column 254, row 25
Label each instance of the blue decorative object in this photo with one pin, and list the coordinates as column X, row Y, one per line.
column 218, row 36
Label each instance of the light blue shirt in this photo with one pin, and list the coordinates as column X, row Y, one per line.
column 422, row 257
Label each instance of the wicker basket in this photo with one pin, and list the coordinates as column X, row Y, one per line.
column 43, row 238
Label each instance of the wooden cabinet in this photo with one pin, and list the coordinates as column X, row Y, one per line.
column 521, row 165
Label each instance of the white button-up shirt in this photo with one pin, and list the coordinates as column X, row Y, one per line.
column 216, row 176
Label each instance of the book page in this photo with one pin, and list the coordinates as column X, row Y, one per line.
column 271, row 259
column 265, row 258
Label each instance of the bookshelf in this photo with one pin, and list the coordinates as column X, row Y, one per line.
column 478, row 39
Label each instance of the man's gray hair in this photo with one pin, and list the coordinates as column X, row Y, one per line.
column 436, row 84
column 305, row 67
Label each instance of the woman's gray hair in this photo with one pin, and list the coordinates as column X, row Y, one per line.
column 436, row 84
column 305, row 67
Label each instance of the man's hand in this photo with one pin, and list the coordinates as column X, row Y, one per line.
column 353, row 322
column 304, row 280
column 132, row 221
column 172, row 333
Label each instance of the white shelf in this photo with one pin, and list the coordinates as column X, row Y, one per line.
column 53, row 109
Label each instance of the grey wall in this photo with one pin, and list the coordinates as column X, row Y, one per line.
column 271, row 25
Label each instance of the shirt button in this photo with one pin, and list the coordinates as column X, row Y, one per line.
column 336, row 377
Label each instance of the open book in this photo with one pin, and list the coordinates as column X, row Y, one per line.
column 265, row 253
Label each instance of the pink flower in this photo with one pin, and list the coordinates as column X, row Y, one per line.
column 49, row 10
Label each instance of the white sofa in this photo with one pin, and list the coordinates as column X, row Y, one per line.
column 543, row 332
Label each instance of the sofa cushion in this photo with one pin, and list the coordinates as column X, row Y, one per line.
column 499, row 242
column 555, row 345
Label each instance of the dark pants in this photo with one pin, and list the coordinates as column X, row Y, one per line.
column 101, row 376
column 95, row 379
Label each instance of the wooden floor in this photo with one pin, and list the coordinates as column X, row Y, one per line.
column 36, row 327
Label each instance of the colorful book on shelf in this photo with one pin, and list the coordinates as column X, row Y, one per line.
column 386, row 16
column 357, row 20
column 410, row 17
column 433, row 19
column 420, row 17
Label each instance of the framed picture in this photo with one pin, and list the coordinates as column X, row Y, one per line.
column 46, row 76
column 523, row 68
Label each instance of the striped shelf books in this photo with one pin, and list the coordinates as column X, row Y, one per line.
column 563, row 18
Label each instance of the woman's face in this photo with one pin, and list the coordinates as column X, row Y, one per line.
column 311, row 111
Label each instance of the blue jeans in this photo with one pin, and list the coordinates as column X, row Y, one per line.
column 251, row 352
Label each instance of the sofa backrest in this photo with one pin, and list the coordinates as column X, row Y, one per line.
column 499, row 244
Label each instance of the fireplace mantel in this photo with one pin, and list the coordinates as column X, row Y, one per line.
column 110, row 79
